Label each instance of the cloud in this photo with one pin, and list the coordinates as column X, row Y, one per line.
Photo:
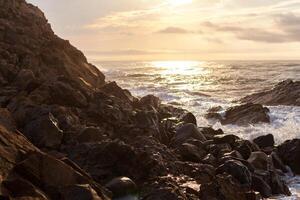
column 174, row 30
column 285, row 29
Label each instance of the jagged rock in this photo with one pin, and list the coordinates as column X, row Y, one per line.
column 122, row 187
column 289, row 152
column 163, row 188
column 261, row 161
column 22, row 189
column 113, row 89
column 150, row 100
column 258, row 184
column 265, row 141
column 90, row 134
column 228, row 139
column 44, row 131
column 80, row 192
column 185, row 132
column 237, row 170
column 246, row 114
column 245, row 147
column 218, row 150
column 51, row 174
column 190, row 152
column 28, row 42
column 284, row 93
column 13, row 144
column 278, row 164
column 210, row 133
column 223, row 187
column 189, row 118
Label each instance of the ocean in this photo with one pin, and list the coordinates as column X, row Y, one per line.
column 200, row 85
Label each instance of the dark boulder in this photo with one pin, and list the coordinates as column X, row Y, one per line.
column 224, row 186
column 189, row 118
column 122, row 187
column 237, row 170
column 284, row 93
column 186, row 132
column 246, row 114
column 265, row 141
column 51, row 174
column 245, row 147
column 112, row 88
column 289, row 152
column 261, row 161
column 226, row 139
column 44, row 131
column 149, row 100
column 190, row 152
column 258, row 184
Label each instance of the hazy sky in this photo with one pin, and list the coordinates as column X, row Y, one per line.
column 178, row 29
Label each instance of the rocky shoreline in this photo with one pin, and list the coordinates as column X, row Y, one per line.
column 66, row 133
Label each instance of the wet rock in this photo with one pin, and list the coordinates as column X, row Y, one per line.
column 225, row 139
column 246, row 114
column 289, row 152
column 189, row 118
column 278, row 185
column 278, row 164
column 233, row 154
column 186, row 132
column 190, row 152
column 150, row 100
column 264, row 141
column 284, row 93
column 237, row 170
column 218, row 150
column 44, row 131
column 261, row 161
column 245, row 148
column 122, row 187
column 209, row 159
column 258, row 184
column 210, row 133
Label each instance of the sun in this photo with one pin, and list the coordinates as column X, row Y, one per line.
column 179, row 2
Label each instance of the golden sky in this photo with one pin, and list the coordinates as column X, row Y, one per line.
column 178, row 29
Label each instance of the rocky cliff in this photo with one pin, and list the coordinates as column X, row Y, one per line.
column 66, row 134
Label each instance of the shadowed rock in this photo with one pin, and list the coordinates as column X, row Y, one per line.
column 243, row 115
column 284, row 93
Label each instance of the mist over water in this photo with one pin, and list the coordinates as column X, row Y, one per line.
column 198, row 86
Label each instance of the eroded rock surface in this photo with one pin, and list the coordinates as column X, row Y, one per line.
column 284, row 93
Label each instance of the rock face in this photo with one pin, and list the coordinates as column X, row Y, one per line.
column 28, row 43
column 243, row 115
column 284, row 93
column 66, row 134
column 289, row 152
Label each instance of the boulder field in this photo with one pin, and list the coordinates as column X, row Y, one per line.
column 66, row 133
